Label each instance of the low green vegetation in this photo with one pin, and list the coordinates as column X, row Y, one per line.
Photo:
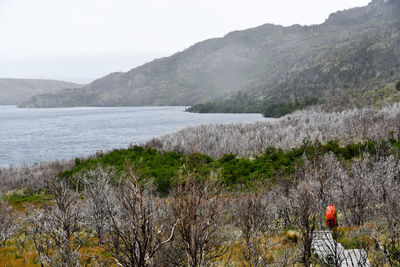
column 19, row 198
column 353, row 237
column 163, row 167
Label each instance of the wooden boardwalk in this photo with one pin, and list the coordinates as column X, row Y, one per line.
column 333, row 253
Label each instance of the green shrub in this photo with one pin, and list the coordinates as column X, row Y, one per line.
column 28, row 196
column 163, row 167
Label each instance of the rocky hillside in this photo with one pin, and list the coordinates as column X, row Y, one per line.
column 16, row 91
column 356, row 50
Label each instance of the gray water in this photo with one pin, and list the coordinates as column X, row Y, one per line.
column 29, row 136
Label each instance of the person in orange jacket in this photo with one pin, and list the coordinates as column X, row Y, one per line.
column 331, row 220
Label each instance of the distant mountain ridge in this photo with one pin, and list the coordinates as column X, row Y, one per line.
column 16, row 91
column 354, row 50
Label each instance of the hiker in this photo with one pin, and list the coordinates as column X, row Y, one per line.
column 331, row 221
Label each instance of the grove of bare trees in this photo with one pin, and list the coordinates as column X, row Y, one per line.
column 248, row 140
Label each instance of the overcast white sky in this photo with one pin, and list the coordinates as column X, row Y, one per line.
column 85, row 39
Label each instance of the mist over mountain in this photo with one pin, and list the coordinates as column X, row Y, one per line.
column 351, row 56
column 16, row 91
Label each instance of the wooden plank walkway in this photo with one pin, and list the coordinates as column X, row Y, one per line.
column 333, row 253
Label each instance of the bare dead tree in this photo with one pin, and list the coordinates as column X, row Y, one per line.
column 384, row 183
column 22, row 243
column 99, row 200
column 355, row 195
column 306, row 213
column 57, row 229
column 31, row 177
column 322, row 173
column 137, row 226
column 282, row 194
column 254, row 214
column 198, row 208
column 8, row 222
column 35, row 232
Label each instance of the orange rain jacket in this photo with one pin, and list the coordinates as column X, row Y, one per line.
column 331, row 221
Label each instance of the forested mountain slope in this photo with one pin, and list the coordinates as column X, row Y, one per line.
column 354, row 51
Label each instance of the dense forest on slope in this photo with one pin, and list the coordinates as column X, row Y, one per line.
column 353, row 52
column 16, row 91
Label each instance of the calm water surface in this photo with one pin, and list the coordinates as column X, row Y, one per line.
column 35, row 135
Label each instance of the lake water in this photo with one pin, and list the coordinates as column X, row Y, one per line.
column 29, row 136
